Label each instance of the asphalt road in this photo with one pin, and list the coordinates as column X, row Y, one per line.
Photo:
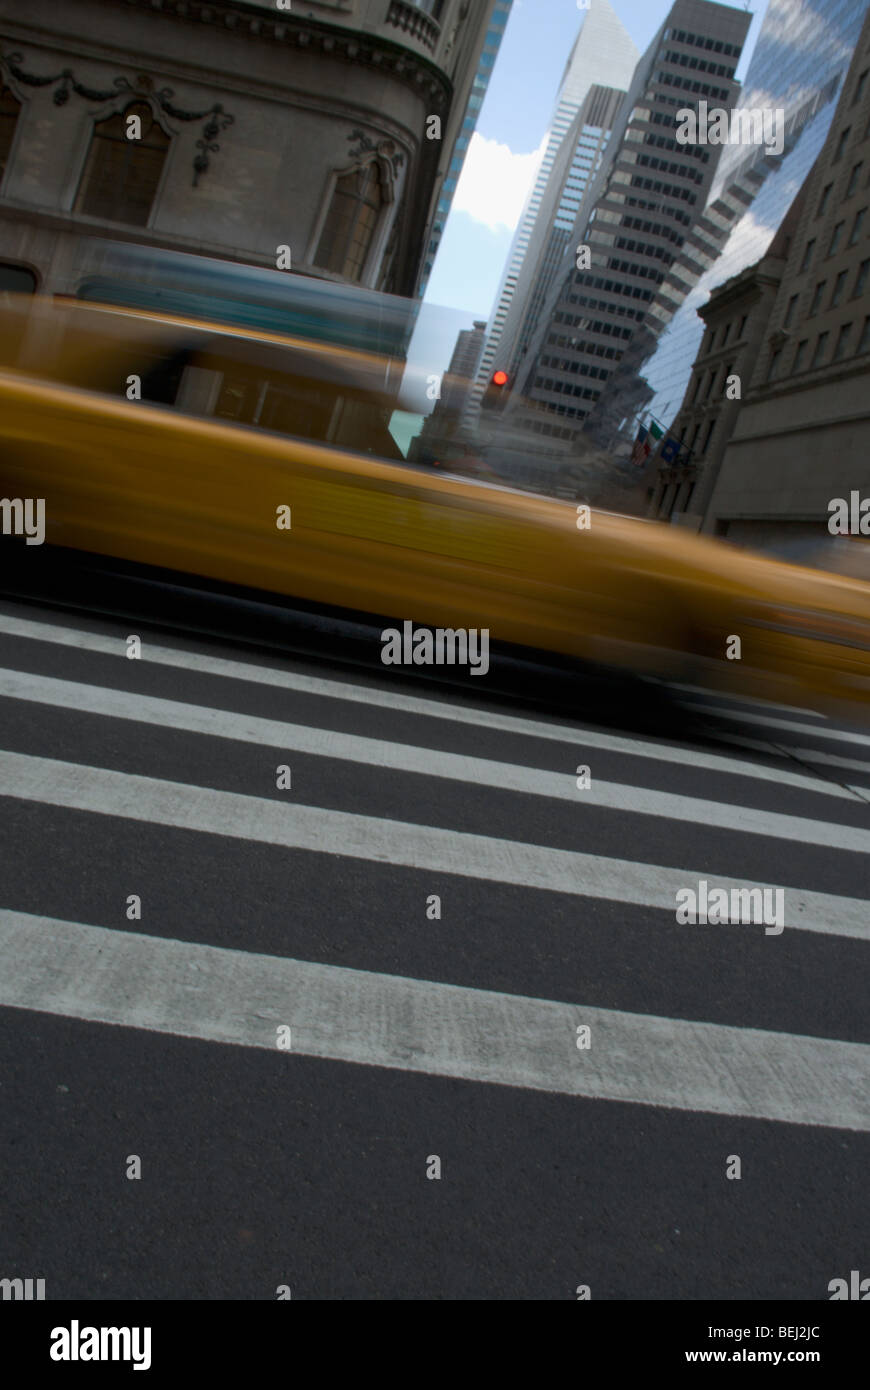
column 411, row 1035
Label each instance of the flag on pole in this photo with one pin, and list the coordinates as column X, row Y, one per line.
column 670, row 450
column 641, row 450
column 656, row 431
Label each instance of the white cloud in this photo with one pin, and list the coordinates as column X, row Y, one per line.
column 494, row 182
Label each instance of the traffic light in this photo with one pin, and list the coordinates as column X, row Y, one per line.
column 496, row 392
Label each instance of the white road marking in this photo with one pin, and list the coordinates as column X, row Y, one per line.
column 404, row 757
column 274, row 822
column 723, row 703
column 239, row 998
column 794, row 726
column 409, row 704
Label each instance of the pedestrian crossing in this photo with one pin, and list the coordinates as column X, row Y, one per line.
column 661, row 839
column 241, row 998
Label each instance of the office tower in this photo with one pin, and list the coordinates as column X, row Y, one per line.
column 771, row 465
column 798, row 65
column 603, row 54
column 577, row 164
column 637, row 220
column 440, row 427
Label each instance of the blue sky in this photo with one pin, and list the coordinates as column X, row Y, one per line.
column 503, row 156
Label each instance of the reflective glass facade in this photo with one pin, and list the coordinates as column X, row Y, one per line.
column 803, row 52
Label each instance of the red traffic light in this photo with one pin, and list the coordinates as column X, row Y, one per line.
column 495, row 395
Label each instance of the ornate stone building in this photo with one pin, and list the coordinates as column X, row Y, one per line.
column 232, row 128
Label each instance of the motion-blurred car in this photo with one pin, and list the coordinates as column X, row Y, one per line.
column 233, row 426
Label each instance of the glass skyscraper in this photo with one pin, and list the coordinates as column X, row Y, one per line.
column 803, row 52
column 603, row 53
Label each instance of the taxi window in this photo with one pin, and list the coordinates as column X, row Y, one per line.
column 97, row 354
column 322, row 410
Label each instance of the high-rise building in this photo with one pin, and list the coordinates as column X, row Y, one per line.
column 798, row 65
column 577, row 164
column 800, row 436
column 603, row 53
column 637, row 219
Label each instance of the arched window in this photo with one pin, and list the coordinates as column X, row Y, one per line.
column 121, row 175
column 9, row 109
column 351, row 221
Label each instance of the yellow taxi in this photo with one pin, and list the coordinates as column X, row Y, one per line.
column 268, row 463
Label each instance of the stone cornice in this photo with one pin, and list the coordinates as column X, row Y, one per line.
column 305, row 35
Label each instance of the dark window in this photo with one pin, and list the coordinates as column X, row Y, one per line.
column 121, row 175
column 861, row 278
column 842, row 341
column 837, row 291
column 853, row 179
column 351, row 222
column 825, row 198
column 857, row 225
column 800, row 354
column 821, row 348
column 841, row 144
column 789, row 313
column 808, row 255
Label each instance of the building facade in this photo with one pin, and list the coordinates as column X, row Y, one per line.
column 318, row 141
column 736, row 319
column 603, row 53
column 802, row 435
column 442, row 427
column 637, row 221
column 798, row 64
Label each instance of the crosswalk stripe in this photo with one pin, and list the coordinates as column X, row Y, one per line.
column 299, row 738
column 815, row 755
column 717, row 703
column 799, row 753
column 240, row 998
column 410, row 704
column 269, row 821
column 794, row 726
